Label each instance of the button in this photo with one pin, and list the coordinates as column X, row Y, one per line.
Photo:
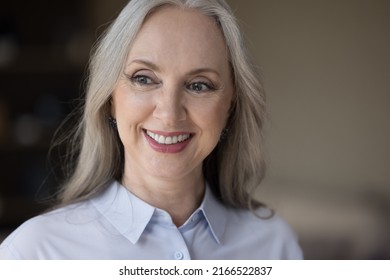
column 179, row 255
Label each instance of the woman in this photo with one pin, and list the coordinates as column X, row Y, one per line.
column 169, row 148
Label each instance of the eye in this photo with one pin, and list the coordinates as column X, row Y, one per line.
column 142, row 80
column 200, row 87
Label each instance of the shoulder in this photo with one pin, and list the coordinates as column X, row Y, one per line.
column 55, row 226
column 264, row 229
column 245, row 234
column 266, row 221
column 76, row 231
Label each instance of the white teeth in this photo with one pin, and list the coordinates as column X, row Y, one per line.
column 161, row 139
column 168, row 140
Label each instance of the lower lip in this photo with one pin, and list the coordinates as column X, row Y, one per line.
column 169, row 149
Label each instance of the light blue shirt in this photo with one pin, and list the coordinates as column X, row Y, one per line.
column 118, row 225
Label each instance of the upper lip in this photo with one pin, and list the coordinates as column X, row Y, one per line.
column 165, row 133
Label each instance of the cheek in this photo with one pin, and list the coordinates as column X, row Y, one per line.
column 130, row 111
column 212, row 116
column 130, row 107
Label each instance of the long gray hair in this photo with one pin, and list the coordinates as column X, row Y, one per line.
column 235, row 167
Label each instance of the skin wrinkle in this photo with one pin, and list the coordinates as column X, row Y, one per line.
column 207, row 71
column 172, row 62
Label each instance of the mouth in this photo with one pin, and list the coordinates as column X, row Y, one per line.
column 168, row 142
column 168, row 138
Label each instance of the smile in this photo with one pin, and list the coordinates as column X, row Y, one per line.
column 168, row 140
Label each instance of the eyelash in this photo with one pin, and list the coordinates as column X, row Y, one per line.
column 209, row 86
column 136, row 79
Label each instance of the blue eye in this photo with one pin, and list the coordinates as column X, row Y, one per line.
column 199, row 87
column 142, row 80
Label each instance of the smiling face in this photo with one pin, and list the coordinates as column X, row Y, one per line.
column 173, row 99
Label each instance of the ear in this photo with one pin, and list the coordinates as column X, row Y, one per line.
column 111, row 104
column 232, row 111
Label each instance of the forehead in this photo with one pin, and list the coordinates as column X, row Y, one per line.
column 183, row 33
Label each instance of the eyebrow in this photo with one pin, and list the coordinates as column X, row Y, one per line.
column 203, row 70
column 149, row 64
column 154, row 67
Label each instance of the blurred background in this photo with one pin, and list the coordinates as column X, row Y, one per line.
column 326, row 68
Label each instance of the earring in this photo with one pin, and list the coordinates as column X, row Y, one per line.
column 112, row 122
column 224, row 134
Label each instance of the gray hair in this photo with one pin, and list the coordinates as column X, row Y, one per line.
column 235, row 167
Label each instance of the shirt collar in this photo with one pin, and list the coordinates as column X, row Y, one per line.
column 215, row 214
column 130, row 215
column 126, row 212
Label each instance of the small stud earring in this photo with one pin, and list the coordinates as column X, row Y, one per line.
column 224, row 134
column 112, row 122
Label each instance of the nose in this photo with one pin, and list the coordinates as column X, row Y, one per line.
column 169, row 108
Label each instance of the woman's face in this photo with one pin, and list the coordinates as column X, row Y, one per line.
column 173, row 99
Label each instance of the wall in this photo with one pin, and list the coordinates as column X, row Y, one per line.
column 326, row 67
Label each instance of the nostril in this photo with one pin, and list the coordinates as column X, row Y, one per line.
column 170, row 113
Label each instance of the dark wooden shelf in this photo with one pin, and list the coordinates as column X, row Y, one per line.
column 51, row 42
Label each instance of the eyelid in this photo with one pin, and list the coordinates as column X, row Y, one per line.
column 203, row 80
column 209, row 88
column 149, row 74
column 135, row 78
column 207, row 84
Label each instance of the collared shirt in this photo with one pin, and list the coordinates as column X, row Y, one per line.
column 118, row 225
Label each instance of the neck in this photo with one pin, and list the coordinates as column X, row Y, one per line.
column 179, row 197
